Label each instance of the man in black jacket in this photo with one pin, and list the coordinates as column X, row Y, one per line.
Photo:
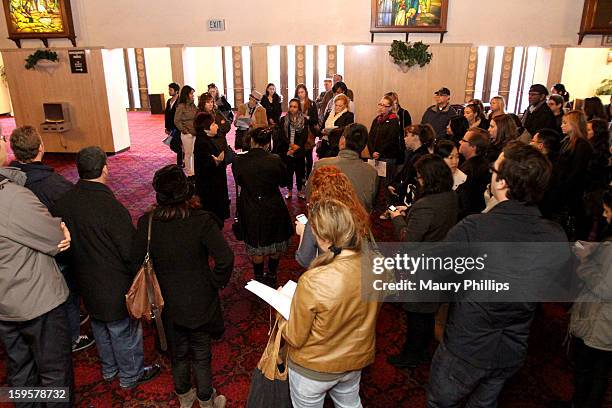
column 171, row 130
column 473, row 147
column 441, row 113
column 102, row 234
column 48, row 186
column 538, row 115
column 486, row 343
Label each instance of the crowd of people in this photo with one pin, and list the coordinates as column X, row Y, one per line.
column 463, row 174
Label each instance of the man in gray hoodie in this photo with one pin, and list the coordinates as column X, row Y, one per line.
column 33, row 323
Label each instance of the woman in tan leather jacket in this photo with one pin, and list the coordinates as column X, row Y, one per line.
column 330, row 331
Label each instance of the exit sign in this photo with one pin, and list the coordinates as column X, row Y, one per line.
column 216, row 25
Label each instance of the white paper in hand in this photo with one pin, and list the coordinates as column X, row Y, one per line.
column 380, row 166
column 279, row 300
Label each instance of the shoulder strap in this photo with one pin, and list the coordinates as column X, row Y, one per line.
column 149, row 233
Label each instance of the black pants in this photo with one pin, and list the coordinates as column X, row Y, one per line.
column 419, row 332
column 455, row 383
column 39, row 354
column 295, row 165
column 592, row 368
column 190, row 349
column 309, row 163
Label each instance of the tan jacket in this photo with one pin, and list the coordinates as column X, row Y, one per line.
column 184, row 116
column 330, row 329
column 260, row 118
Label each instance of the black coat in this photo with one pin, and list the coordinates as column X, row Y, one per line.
column 471, row 193
column 428, row 220
column 540, row 118
column 385, row 138
column 261, row 208
column 334, row 136
column 283, row 137
column 273, row 109
column 181, row 263
column 102, row 233
column 169, row 115
column 405, row 120
column 225, row 108
column 211, row 179
column 44, row 182
column 494, row 335
column 573, row 166
column 407, row 176
column 439, row 119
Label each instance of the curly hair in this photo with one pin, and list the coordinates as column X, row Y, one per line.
column 329, row 183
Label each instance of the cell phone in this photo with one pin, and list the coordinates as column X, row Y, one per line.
column 392, row 208
column 302, row 219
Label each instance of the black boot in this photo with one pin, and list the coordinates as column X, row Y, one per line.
column 258, row 271
column 271, row 275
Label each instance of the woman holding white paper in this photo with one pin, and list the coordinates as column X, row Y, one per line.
column 331, row 332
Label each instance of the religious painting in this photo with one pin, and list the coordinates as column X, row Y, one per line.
column 38, row 19
column 596, row 18
column 409, row 16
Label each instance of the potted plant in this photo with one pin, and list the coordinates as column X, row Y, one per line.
column 42, row 58
column 407, row 55
column 605, row 88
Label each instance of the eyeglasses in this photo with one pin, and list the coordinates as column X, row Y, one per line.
column 383, row 105
column 467, row 141
column 492, row 169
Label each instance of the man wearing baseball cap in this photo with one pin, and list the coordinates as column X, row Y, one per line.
column 440, row 114
column 538, row 115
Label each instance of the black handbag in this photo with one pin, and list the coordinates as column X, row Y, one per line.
column 269, row 383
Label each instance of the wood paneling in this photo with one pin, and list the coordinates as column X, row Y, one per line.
column 284, row 77
column 176, row 63
column 470, row 81
column 143, row 85
column 555, row 69
column 332, row 63
column 238, row 83
column 300, row 64
column 506, row 73
column 371, row 73
column 259, row 67
column 86, row 95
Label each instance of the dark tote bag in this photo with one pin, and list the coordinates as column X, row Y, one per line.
column 269, row 386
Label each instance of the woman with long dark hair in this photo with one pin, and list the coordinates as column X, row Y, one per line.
column 210, row 167
column 432, row 215
column 475, row 116
column 448, row 151
column 261, row 210
column 272, row 104
column 289, row 144
column 183, row 119
column 599, row 174
column 206, row 105
column 192, row 312
column 502, row 130
column 309, row 109
column 457, row 128
column 594, row 109
column 221, row 102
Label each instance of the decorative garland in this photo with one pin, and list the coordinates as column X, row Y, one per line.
column 33, row 59
column 409, row 55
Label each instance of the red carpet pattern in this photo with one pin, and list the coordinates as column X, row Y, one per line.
column 546, row 375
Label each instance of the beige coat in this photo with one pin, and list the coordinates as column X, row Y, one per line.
column 260, row 118
column 184, row 116
column 330, row 328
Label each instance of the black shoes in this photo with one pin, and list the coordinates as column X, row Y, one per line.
column 149, row 373
column 83, row 342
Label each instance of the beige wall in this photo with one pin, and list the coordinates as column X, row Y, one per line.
column 584, row 69
column 372, row 73
column 96, row 110
column 157, row 23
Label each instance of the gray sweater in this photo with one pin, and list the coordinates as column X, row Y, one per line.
column 30, row 281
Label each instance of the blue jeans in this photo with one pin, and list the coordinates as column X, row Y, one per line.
column 120, row 349
column 307, row 393
column 73, row 307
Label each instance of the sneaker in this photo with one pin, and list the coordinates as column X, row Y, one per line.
column 148, row 374
column 215, row 401
column 83, row 318
column 83, row 342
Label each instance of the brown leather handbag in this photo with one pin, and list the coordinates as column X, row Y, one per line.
column 144, row 299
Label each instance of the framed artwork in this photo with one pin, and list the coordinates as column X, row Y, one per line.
column 409, row 16
column 39, row 19
column 596, row 18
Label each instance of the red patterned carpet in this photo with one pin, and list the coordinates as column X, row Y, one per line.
column 546, row 375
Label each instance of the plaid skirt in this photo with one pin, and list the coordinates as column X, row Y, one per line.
column 268, row 249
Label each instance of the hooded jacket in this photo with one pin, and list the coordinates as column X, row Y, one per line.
column 30, row 282
column 44, row 182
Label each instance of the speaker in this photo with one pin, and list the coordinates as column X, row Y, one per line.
column 157, row 104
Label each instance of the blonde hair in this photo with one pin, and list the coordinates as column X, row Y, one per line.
column 502, row 102
column 395, row 98
column 333, row 221
column 344, row 98
column 578, row 123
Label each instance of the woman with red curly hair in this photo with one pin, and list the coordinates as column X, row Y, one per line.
column 329, row 183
